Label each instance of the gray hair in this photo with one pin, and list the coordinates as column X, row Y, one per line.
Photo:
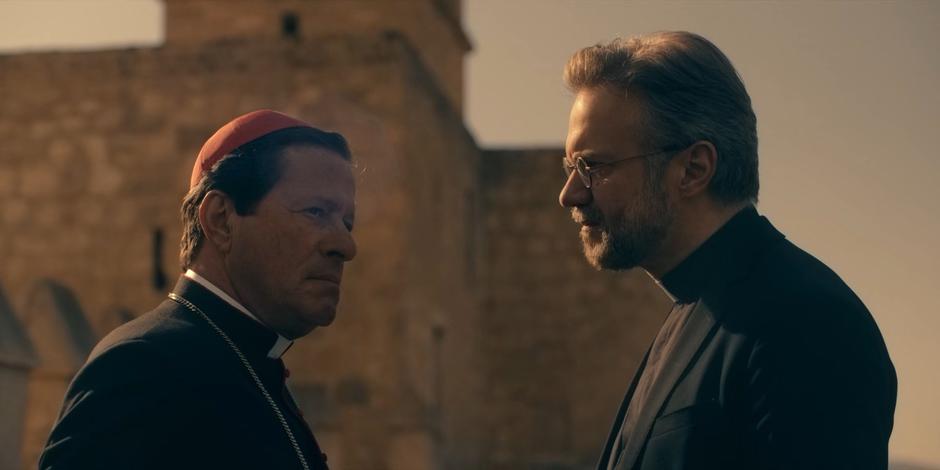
column 691, row 92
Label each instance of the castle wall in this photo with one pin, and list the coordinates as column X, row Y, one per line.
column 432, row 24
column 442, row 272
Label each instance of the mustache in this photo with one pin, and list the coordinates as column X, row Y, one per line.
column 589, row 215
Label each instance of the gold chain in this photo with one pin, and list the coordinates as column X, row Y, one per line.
column 251, row 371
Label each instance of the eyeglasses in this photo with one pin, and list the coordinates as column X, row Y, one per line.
column 585, row 170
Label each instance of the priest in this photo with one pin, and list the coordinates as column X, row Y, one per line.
column 199, row 381
column 767, row 359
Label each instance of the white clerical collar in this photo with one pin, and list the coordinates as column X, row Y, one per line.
column 282, row 343
column 663, row 287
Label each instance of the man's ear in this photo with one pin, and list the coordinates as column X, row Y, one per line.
column 216, row 215
column 699, row 162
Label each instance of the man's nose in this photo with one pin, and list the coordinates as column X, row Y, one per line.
column 573, row 193
column 340, row 245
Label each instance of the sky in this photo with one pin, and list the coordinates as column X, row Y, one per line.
column 847, row 107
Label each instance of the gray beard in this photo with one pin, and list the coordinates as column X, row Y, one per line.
column 633, row 235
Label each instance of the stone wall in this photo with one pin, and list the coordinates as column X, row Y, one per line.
column 561, row 340
column 442, row 272
column 432, row 24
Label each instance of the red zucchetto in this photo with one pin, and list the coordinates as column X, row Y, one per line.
column 238, row 132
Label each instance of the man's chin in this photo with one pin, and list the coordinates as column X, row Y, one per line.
column 321, row 317
column 313, row 319
column 326, row 319
column 595, row 252
column 593, row 232
column 601, row 256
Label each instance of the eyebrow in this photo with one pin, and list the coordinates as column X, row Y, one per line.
column 589, row 155
column 329, row 205
column 326, row 203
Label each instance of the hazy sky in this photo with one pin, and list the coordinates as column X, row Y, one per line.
column 847, row 105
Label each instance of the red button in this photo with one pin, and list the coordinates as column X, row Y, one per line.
column 286, row 372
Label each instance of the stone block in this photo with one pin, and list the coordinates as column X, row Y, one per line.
column 7, row 182
column 37, row 180
column 412, row 451
column 104, row 178
column 352, row 391
column 313, row 400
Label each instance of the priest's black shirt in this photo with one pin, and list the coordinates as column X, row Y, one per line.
column 778, row 366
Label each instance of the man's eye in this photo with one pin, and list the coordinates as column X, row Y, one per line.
column 316, row 211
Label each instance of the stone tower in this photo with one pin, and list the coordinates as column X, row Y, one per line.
column 432, row 27
column 471, row 333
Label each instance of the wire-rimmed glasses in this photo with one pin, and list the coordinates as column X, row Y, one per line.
column 586, row 170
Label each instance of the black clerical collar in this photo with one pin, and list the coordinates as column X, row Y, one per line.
column 721, row 258
column 249, row 334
